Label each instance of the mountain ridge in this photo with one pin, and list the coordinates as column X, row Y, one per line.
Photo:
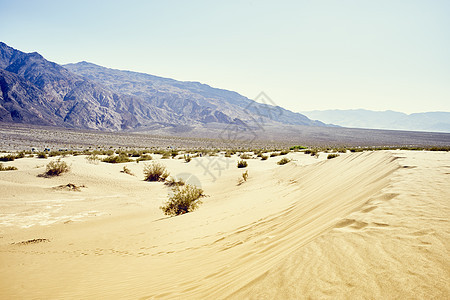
column 88, row 96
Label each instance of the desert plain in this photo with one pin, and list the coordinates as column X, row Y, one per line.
column 365, row 225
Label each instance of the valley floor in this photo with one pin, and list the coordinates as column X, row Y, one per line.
column 362, row 225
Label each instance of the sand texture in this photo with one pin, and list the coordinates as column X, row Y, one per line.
column 371, row 225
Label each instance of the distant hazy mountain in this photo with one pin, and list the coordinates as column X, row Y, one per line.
column 360, row 118
column 36, row 91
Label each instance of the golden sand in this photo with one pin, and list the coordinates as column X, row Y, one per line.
column 363, row 225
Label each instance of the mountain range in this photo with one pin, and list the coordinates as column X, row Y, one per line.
column 36, row 91
column 361, row 118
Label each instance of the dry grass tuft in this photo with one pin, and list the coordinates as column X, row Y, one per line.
column 155, row 172
column 56, row 168
column 185, row 199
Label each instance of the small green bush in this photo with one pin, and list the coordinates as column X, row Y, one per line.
column 330, row 156
column 155, row 172
column 283, row 161
column 242, row 164
column 8, row 168
column 297, row 148
column 56, row 168
column 185, row 199
column 117, row 159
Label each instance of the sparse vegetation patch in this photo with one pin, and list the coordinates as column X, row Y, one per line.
column 8, row 168
column 93, row 158
column 144, row 157
column 9, row 157
column 155, row 172
column 283, row 161
column 185, row 199
column 117, row 159
column 126, row 171
column 56, row 168
column 242, row 164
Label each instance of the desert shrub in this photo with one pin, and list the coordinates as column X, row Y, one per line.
column 134, row 153
column 227, row 154
column 42, row 155
column 245, row 175
column 9, row 157
column 211, row 153
column 274, row 154
column 187, row 158
column 126, row 171
column 144, row 157
column 117, row 159
column 173, row 182
column 283, row 161
column 8, row 168
column 159, row 152
column 243, row 178
column 185, row 199
column 174, row 153
column 20, row 154
column 284, row 152
column 53, row 153
column 297, row 148
column 264, row 157
column 56, row 168
column 438, row 148
column 312, row 152
column 155, row 172
column 242, row 164
column 330, row 156
column 245, row 156
column 166, row 155
column 93, row 158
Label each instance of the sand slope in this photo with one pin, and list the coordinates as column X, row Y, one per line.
column 364, row 225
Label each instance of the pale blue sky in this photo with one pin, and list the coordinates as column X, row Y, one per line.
column 305, row 55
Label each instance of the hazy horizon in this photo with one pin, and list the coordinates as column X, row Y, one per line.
column 304, row 55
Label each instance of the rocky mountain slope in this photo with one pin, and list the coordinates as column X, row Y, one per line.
column 83, row 95
column 361, row 118
column 193, row 99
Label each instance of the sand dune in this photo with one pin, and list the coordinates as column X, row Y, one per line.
column 363, row 225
